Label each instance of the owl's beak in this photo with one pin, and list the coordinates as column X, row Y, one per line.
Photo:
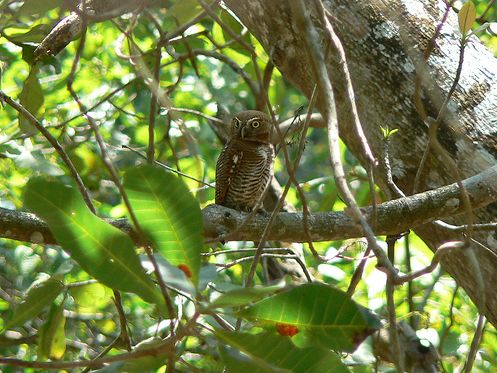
column 242, row 132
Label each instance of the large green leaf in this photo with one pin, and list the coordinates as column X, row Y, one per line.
column 269, row 349
column 38, row 297
column 325, row 316
column 100, row 249
column 31, row 98
column 52, row 337
column 169, row 215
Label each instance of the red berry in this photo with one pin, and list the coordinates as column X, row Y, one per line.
column 287, row 329
column 186, row 270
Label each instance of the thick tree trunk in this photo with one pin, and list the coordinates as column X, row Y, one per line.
column 384, row 43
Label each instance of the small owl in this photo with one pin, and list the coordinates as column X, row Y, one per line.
column 245, row 166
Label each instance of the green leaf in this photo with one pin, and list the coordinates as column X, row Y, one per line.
column 169, row 215
column 269, row 349
column 244, row 296
column 325, row 316
column 52, row 337
column 467, row 16
column 38, row 297
column 237, row 28
column 100, row 249
column 35, row 35
column 236, row 362
column 31, row 98
column 173, row 276
column 31, row 7
column 207, row 274
column 184, row 11
column 91, row 297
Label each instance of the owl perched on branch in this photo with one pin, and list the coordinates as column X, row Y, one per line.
column 245, row 166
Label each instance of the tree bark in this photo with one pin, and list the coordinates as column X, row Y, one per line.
column 384, row 43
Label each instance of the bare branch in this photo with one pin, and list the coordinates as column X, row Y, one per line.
column 393, row 217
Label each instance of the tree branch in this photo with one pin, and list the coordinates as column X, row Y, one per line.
column 393, row 217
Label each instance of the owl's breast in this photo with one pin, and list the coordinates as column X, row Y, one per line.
column 250, row 171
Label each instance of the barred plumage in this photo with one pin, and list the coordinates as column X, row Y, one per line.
column 245, row 165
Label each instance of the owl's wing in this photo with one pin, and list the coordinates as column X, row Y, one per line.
column 226, row 169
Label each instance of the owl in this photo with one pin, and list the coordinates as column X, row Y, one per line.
column 245, row 165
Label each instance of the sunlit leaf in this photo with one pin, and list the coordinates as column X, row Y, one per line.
column 169, row 215
column 326, row 316
column 38, row 297
column 236, row 28
column 31, row 98
column 184, row 10
column 244, row 296
column 269, row 349
column 90, row 297
column 467, row 16
column 31, row 7
column 100, row 249
column 35, row 35
column 52, row 339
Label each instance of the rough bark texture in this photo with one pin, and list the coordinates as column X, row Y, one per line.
column 384, row 42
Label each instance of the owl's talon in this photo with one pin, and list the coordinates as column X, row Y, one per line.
column 262, row 212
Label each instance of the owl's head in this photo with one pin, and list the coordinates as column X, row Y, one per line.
column 251, row 125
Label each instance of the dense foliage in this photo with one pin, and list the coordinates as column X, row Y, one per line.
column 74, row 300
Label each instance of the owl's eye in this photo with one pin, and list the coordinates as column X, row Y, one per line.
column 255, row 124
column 236, row 122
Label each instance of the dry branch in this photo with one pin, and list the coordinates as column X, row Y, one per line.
column 393, row 217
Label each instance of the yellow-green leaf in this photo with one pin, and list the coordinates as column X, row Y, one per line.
column 100, row 249
column 467, row 16
column 38, row 297
column 271, row 352
column 52, row 334
column 169, row 215
column 324, row 316
column 31, row 98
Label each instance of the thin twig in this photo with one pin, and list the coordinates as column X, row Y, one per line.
column 249, row 250
column 475, row 343
column 441, row 250
column 339, row 53
column 446, row 331
column 356, row 277
column 490, row 4
column 398, row 352
column 153, row 107
column 158, row 163
column 421, row 69
column 413, row 320
column 389, row 178
column 196, row 112
column 123, row 333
